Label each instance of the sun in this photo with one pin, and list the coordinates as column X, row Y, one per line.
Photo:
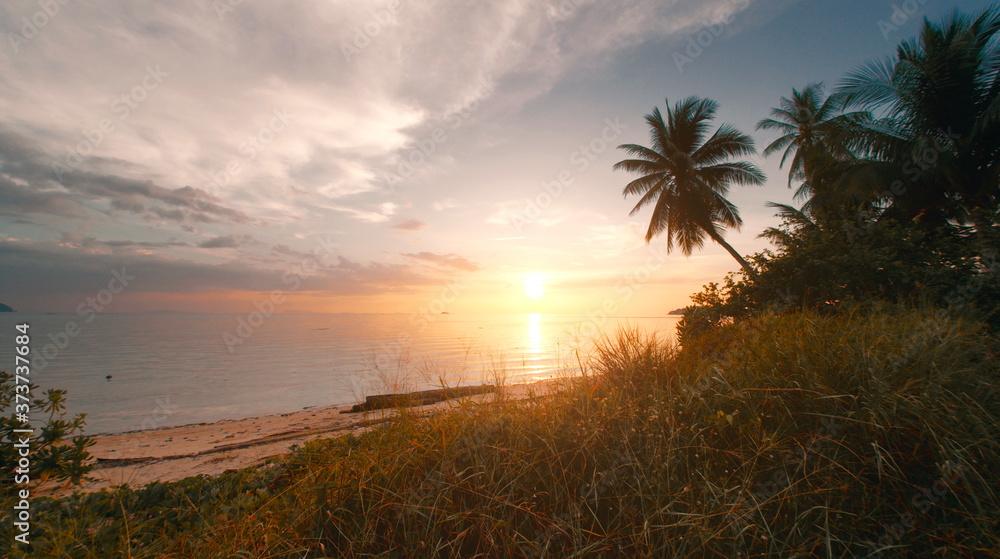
column 534, row 286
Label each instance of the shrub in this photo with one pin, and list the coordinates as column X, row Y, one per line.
column 827, row 269
column 53, row 455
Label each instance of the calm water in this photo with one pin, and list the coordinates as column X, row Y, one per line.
column 176, row 369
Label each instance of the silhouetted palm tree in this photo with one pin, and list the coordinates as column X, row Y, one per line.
column 815, row 132
column 688, row 176
column 938, row 102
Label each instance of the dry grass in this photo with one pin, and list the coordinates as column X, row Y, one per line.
column 873, row 434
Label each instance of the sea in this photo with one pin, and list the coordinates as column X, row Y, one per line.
column 129, row 372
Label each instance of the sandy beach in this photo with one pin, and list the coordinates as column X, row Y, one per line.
column 174, row 453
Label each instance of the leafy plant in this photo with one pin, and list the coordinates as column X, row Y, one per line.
column 59, row 449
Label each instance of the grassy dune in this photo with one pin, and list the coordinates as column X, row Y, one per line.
column 872, row 434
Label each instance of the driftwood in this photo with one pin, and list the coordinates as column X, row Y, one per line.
column 421, row 398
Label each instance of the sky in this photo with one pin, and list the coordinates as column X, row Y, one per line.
column 390, row 156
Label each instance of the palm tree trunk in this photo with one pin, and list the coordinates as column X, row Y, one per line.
column 746, row 265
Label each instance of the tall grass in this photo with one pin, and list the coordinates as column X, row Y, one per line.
column 872, row 434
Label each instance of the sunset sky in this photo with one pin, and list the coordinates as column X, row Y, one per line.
column 384, row 156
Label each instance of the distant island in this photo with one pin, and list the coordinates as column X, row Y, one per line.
column 676, row 312
column 5, row 308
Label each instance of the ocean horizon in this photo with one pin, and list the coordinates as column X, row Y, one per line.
column 175, row 368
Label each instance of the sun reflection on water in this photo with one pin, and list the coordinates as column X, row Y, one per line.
column 535, row 332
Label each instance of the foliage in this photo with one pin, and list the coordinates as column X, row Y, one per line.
column 935, row 119
column 52, row 454
column 158, row 520
column 826, row 268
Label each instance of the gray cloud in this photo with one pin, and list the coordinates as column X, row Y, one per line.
column 226, row 241
column 91, row 242
column 17, row 200
column 187, row 202
column 32, row 272
column 28, row 186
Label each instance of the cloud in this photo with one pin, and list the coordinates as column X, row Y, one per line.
column 445, row 204
column 409, row 225
column 17, row 200
column 448, row 260
column 34, row 271
column 183, row 204
column 203, row 147
column 226, row 75
column 28, row 185
column 226, row 241
column 92, row 244
column 383, row 213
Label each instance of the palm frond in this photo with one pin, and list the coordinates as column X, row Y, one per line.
column 644, row 185
column 792, row 214
column 719, row 177
column 685, row 173
column 871, row 85
column 653, row 194
column 727, row 142
column 639, row 166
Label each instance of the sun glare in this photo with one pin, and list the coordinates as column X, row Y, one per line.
column 535, row 332
column 534, row 286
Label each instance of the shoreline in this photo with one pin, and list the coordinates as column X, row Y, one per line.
column 137, row 458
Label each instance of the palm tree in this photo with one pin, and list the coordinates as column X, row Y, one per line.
column 688, row 176
column 814, row 131
column 938, row 102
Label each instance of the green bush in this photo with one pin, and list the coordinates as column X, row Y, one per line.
column 826, row 269
column 53, row 454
